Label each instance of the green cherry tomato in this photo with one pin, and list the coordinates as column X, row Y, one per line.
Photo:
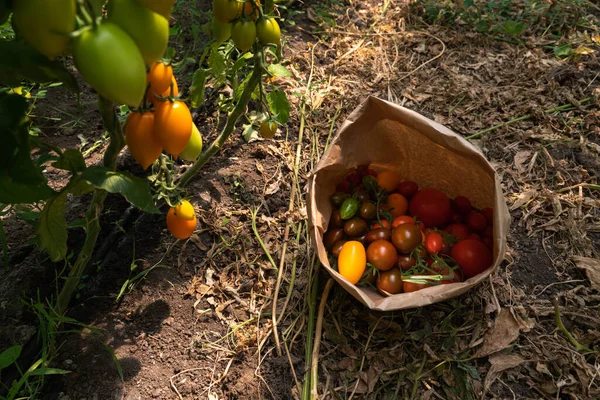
column 243, row 34
column 44, row 24
column 267, row 31
column 226, row 10
column 194, row 146
column 111, row 63
column 162, row 7
column 268, row 129
column 149, row 30
column 221, row 31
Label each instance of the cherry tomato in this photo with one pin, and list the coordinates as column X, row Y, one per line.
column 336, row 220
column 268, row 31
column 434, row 242
column 408, row 189
column 388, row 180
column 413, row 287
column 268, row 129
column 406, row 262
column 243, row 34
column 406, row 237
column 378, row 234
column 178, row 227
column 354, row 178
column 431, row 206
column 355, row 227
column 361, row 195
column 460, row 231
column 382, row 254
column 221, row 31
column 332, row 236
column 489, row 242
column 403, row 219
column 384, row 224
column 476, row 221
column 462, row 205
column 149, row 30
column 352, row 261
column 226, row 10
column 456, row 217
column 173, row 126
column 140, row 138
column 45, row 24
column 397, row 204
column 367, row 210
column 337, row 247
column 488, row 213
column 472, row 256
column 337, row 199
column 489, row 231
column 185, row 210
column 474, row 236
column 160, row 77
column 389, row 281
column 194, row 147
column 251, row 10
column 162, row 7
column 343, row 186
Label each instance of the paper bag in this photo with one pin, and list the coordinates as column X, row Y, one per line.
column 390, row 137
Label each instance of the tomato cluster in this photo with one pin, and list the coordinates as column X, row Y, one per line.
column 243, row 22
column 402, row 238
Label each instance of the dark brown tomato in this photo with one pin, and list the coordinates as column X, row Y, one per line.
column 337, row 247
column 382, row 255
column 362, row 238
column 338, row 198
column 406, row 262
column 413, row 287
column 362, row 195
column 378, row 234
column 355, row 227
column 336, row 220
column 406, row 237
column 389, row 282
column 367, row 210
column 332, row 236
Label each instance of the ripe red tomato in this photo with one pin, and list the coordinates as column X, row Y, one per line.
column 472, row 256
column 460, row 231
column 462, row 205
column 343, row 186
column 406, row 237
column 398, row 204
column 474, row 236
column 413, row 287
column 476, row 221
column 382, row 254
column 408, row 189
column 434, row 242
column 384, row 224
column 431, row 206
column 390, row 282
column 488, row 213
column 456, row 217
column 403, row 219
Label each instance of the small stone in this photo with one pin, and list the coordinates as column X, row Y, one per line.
column 68, row 362
column 156, row 393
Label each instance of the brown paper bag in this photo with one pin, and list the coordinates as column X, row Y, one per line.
column 391, row 137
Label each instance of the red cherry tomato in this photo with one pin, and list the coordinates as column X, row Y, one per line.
column 472, row 256
column 402, row 219
column 408, row 189
column 474, row 236
column 406, row 262
column 488, row 213
column 343, row 186
column 462, row 205
column 434, row 242
column 384, row 224
column 456, row 217
column 476, row 221
column 460, row 231
column 413, row 287
column 354, row 178
column 431, row 206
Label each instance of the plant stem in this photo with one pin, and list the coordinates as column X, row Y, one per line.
column 92, row 215
column 564, row 107
column 561, row 326
column 237, row 112
column 318, row 331
column 312, row 302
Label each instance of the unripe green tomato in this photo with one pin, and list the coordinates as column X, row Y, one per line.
column 268, row 129
column 226, row 11
column 267, row 31
column 108, row 59
column 44, row 24
column 243, row 34
column 162, row 7
column 221, row 32
column 194, row 146
column 149, row 30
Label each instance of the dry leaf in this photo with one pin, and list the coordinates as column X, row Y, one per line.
column 521, row 159
column 505, row 331
column 524, row 198
column 501, row 362
column 591, row 267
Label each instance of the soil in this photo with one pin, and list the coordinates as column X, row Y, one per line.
column 198, row 326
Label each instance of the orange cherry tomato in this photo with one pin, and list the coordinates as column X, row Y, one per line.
column 178, row 227
column 402, row 219
column 398, row 204
column 389, row 180
column 352, row 261
column 141, row 140
column 160, row 77
column 173, row 126
column 152, row 99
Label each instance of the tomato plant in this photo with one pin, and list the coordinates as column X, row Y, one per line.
column 352, row 261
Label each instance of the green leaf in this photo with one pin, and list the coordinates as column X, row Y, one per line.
column 12, row 192
column 279, row 106
column 9, row 356
column 249, row 132
column 240, row 88
column 197, row 88
column 279, row 70
column 20, row 61
column 514, row 28
column 79, row 186
column 563, row 51
column 71, row 160
column 134, row 189
column 243, row 60
column 216, row 62
column 52, row 228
